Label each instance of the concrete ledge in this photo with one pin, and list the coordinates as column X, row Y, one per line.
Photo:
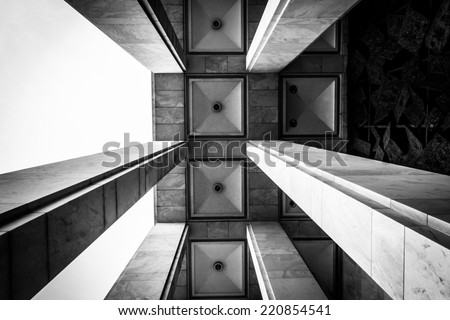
column 146, row 276
column 43, row 242
column 288, row 27
column 406, row 257
column 282, row 274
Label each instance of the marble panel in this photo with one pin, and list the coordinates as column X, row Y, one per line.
column 5, row 289
column 127, row 190
column 263, row 131
column 172, row 181
column 255, row 12
column 427, row 272
column 236, row 64
column 110, row 203
column 298, row 289
column 440, row 223
column 236, row 229
column 180, row 293
column 263, row 115
column 216, row 64
column 263, row 98
column 28, row 255
column 311, row 8
column 174, row 12
column 263, row 81
column 196, row 64
column 263, row 196
column 263, row 212
column 171, row 214
column 72, row 227
column 217, row 229
column 169, row 99
column 348, row 223
column 167, row 198
column 136, row 290
column 217, row 149
column 259, row 180
column 169, row 81
column 169, row 132
column 169, row 115
column 198, row 230
column 388, row 238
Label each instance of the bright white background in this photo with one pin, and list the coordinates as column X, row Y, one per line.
column 65, row 87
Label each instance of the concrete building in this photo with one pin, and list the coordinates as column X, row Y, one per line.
column 224, row 149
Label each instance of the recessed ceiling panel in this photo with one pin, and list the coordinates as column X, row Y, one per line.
column 310, row 106
column 217, row 189
column 216, row 107
column 326, row 42
column 216, row 26
column 290, row 209
column 218, row 269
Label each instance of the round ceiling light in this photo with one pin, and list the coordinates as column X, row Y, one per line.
column 218, row 266
column 216, row 24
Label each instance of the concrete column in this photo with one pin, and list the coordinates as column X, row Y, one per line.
column 282, row 274
column 150, row 273
column 288, row 27
column 390, row 220
column 50, row 214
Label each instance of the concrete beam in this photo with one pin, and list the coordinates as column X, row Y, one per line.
column 150, row 273
column 288, row 27
column 378, row 213
column 281, row 272
column 140, row 27
column 40, row 242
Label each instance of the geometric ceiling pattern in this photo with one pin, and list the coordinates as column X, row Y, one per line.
column 218, row 269
column 326, row 42
column 217, row 191
column 216, row 107
column 216, row 26
column 309, row 105
column 291, row 209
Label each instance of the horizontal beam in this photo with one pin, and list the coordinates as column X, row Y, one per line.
column 356, row 202
column 40, row 244
column 281, row 272
column 288, row 27
column 24, row 191
column 140, row 27
column 149, row 274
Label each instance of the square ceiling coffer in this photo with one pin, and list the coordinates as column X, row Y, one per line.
column 216, row 26
column 217, row 189
column 327, row 42
column 310, row 106
column 290, row 209
column 218, row 269
column 216, row 107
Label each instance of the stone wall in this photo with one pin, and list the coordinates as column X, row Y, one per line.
column 399, row 91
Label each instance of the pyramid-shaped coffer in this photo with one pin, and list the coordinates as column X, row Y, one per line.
column 217, row 189
column 216, row 26
column 218, row 269
column 310, row 106
column 328, row 41
column 290, row 209
column 216, row 107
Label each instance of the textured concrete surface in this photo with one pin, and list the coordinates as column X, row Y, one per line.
column 127, row 24
column 288, row 28
column 365, row 207
column 145, row 276
column 289, row 277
